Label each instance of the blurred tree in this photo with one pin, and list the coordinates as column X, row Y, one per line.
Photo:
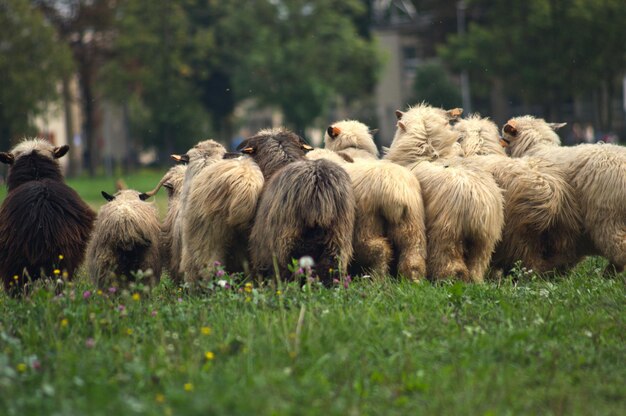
column 32, row 63
column 297, row 54
column 85, row 25
column 542, row 52
column 150, row 69
column 433, row 85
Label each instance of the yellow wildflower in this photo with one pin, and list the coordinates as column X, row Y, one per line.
column 159, row 398
column 21, row 367
column 64, row 322
column 278, row 292
column 188, row 387
column 209, row 355
column 57, row 272
column 99, row 292
column 205, row 330
column 61, row 257
column 129, row 331
column 248, row 287
column 65, row 274
column 16, row 277
column 248, row 298
column 136, row 296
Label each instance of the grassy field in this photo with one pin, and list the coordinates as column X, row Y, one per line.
column 371, row 346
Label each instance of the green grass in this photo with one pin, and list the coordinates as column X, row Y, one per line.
column 90, row 188
column 376, row 347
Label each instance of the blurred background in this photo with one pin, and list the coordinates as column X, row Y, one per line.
column 127, row 82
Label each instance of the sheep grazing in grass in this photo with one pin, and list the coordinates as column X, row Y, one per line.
column 389, row 230
column 597, row 172
column 464, row 206
column 125, row 239
column 172, row 181
column 306, row 208
column 542, row 218
column 44, row 224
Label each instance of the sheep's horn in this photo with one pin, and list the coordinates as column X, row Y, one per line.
column 159, row 185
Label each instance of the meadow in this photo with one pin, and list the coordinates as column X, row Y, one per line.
column 373, row 345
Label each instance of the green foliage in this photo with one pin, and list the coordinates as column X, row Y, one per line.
column 545, row 50
column 150, row 70
column 433, row 85
column 296, row 55
column 32, row 65
column 375, row 347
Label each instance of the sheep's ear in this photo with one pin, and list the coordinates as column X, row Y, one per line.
column 180, row 158
column 143, row 196
column 108, row 197
column 373, row 131
column 120, row 184
column 401, row 125
column 399, row 114
column 510, row 129
column 455, row 113
column 248, row 150
column 60, row 151
column 333, row 131
column 7, row 158
column 556, row 126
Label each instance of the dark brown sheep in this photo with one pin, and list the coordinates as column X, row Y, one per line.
column 307, row 207
column 44, row 224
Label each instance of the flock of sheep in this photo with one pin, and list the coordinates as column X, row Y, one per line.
column 450, row 198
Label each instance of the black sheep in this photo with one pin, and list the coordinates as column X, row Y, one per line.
column 44, row 224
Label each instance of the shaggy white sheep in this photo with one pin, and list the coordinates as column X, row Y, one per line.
column 464, row 206
column 597, row 173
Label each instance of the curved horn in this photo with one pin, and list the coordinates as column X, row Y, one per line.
column 159, row 185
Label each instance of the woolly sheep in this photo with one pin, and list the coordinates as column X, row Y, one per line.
column 542, row 218
column 44, row 224
column 389, row 208
column 219, row 212
column 306, row 208
column 464, row 206
column 125, row 239
column 597, row 172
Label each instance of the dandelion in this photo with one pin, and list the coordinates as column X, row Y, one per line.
column 188, row 387
column 99, row 292
column 90, row 343
column 205, row 330
column 61, row 257
column 129, row 331
column 278, row 292
column 248, row 287
column 136, row 296
column 21, row 367
column 56, row 272
column 86, row 294
column 209, row 355
column 159, row 398
column 16, row 278
column 64, row 322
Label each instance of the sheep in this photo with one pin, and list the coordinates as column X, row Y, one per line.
column 542, row 218
column 44, row 224
column 171, row 246
column 597, row 172
column 389, row 208
column 125, row 239
column 307, row 207
column 219, row 213
column 464, row 206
